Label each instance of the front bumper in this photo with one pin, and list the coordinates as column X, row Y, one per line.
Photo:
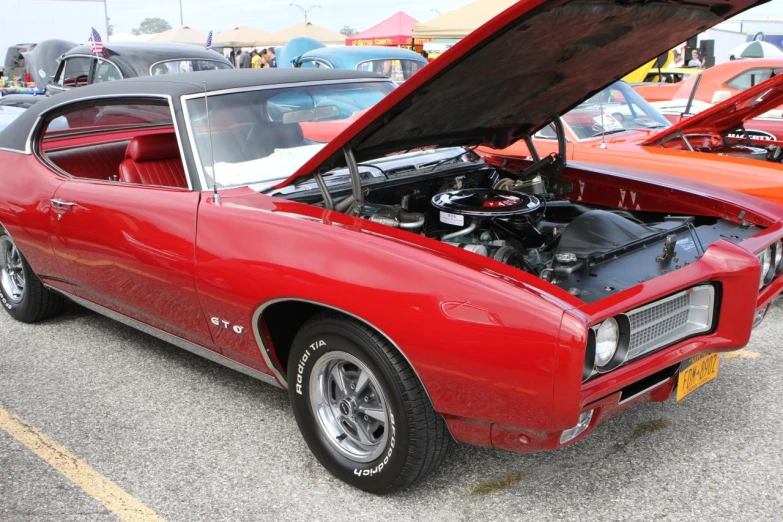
column 654, row 376
column 526, row 441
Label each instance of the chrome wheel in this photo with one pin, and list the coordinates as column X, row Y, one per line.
column 349, row 406
column 12, row 275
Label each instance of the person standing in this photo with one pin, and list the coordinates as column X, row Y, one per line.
column 271, row 58
column 243, row 60
column 678, row 61
column 695, row 60
column 256, row 61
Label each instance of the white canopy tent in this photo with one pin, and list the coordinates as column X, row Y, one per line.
column 322, row 34
column 242, row 37
column 461, row 22
column 182, row 34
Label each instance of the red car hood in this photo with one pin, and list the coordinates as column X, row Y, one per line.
column 729, row 114
column 513, row 75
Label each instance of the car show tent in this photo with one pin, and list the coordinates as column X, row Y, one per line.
column 182, row 34
column 242, row 37
column 461, row 22
column 316, row 32
column 394, row 31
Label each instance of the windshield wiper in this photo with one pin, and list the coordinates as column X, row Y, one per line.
column 649, row 127
column 452, row 158
column 337, row 174
column 376, row 167
column 606, row 133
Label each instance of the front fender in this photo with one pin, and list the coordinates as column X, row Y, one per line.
column 483, row 343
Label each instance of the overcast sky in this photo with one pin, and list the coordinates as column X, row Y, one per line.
column 273, row 15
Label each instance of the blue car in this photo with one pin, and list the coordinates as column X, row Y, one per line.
column 392, row 62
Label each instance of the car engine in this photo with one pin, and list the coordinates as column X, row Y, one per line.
column 590, row 252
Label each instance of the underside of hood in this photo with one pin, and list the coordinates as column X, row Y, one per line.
column 730, row 114
column 531, row 63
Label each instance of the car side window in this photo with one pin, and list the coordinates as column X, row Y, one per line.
column 752, row 77
column 313, row 64
column 547, row 133
column 106, row 72
column 75, row 72
column 124, row 141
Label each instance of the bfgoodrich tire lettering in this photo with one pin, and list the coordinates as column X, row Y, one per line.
column 381, row 435
column 22, row 294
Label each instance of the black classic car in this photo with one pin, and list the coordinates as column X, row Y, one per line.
column 79, row 66
column 59, row 65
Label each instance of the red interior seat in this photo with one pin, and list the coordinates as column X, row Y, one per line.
column 93, row 161
column 154, row 159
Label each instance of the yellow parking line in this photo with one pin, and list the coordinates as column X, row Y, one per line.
column 80, row 473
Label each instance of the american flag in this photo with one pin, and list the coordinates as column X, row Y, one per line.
column 96, row 44
column 209, row 40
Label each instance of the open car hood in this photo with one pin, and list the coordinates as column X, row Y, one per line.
column 42, row 61
column 513, row 75
column 295, row 49
column 729, row 114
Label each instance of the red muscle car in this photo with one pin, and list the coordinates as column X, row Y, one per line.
column 717, row 83
column 617, row 128
column 751, row 117
column 401, row 289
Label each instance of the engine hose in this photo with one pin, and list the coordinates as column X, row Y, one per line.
column 416, row 224
column 344, row 205
column 460, row 233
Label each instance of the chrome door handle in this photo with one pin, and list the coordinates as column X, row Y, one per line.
column 59, row 203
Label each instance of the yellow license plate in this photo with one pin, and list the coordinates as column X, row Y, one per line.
column 696, row 373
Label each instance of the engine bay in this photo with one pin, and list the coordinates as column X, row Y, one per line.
column 515, row 218
column 589, row 251
column 731, row 145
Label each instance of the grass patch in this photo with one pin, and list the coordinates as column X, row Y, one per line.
column 493, row 486
column 649, row 427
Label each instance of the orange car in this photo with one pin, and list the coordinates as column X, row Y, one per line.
column 717, row 83
column 618, row 128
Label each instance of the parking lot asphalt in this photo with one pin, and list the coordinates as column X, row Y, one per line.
column 191, row 440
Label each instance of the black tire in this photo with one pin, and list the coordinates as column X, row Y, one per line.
column 37, row 302
column 418, row 437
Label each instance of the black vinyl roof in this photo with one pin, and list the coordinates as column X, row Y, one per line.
column 151, row 51
column 135, row 58
column 14, row 137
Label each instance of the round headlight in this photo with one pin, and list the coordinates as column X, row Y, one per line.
column 779, row 257
column 607, row 340
column 765, row 258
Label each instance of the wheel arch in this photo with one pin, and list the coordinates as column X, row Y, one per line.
column 275, row 354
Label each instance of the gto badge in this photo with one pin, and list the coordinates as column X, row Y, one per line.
column 226, row 325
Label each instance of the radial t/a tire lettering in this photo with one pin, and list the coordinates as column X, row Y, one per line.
column 22, row 294
column 360, row 406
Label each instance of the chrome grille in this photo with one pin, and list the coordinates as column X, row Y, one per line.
column 671, row 319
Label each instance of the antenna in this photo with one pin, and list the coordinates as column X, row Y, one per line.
column 215, row 196
column 601, row 110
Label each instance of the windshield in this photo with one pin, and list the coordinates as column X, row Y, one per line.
column 397, row 70
column 615, row 109
column 264, row 136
